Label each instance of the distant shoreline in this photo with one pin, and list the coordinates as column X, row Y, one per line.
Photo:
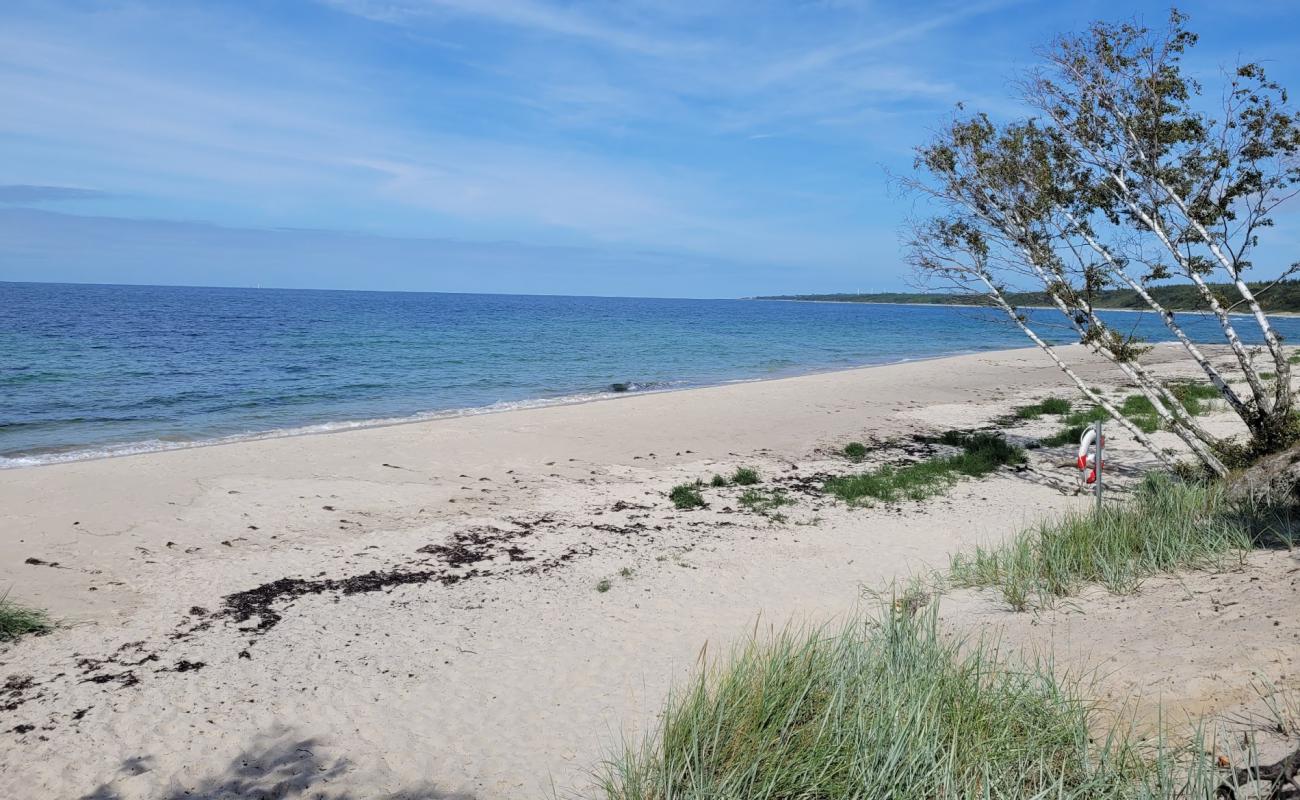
column 994, row 308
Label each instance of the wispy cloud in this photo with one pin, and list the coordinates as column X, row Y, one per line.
column 524, row 14
column 25, row 194
column 748, row 130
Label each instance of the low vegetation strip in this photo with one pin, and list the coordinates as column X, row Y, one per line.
column 1194, row 397
column 981, row 454
column 1282, row 296
column 887, row 707
column 1168, row 525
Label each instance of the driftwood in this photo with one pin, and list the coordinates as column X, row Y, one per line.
column 1278, row 775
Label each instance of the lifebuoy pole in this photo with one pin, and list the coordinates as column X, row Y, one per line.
column 1100, row 444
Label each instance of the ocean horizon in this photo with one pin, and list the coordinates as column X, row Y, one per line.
column 96, row 370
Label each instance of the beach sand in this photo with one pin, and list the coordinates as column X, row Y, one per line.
column 413, row 610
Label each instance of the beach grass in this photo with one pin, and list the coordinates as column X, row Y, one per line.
column 1191, row 395
column 765, row 503
column 17, row 620
column 717, row 481
column 1050, row 405
column 745, row 476
column 855, row 451
column 686, row 496
column 981, row 454
column 887, row 706
column 1167, row 525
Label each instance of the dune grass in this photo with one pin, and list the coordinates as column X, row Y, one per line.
column 982, row 453
column 1167, row 525
column 745, row 476
column 18, row 620
column 887, row 707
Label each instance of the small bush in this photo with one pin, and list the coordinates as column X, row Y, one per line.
column 855, row 451
column 17, row 620
column 717, row 481
column 686, row 496
column 744, row 476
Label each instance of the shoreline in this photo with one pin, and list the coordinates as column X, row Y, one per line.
column 492, row 602
column 148, row 446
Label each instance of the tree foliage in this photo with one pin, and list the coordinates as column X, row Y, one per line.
column 1128, row 177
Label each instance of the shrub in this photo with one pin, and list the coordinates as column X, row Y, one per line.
column 686, row 496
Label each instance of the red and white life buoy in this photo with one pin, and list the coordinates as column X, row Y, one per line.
column 1087, row 460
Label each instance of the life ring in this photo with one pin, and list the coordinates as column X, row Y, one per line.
column 1087, row 460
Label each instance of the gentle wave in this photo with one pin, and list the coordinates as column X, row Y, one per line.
column 160, row 445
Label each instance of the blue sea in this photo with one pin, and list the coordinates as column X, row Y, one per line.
column 96, row 370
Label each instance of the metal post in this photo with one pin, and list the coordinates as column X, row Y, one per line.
column 1099, row 456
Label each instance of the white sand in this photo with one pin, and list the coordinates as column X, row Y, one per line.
column 509, row 677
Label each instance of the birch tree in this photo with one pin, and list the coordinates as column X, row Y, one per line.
column 1127, row 181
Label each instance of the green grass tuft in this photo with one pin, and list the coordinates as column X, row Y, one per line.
column 761, row 502
column 855, row 451
column 888, row 707
column 717, row 481
column 603, row 585
column 745, row 476
column 982, row 453
column 18, row 620
column 1167, row 525
column 1055, row 405
column 686, row 496
column 1050, row 405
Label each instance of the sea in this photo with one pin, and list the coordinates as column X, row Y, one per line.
column 89, row 371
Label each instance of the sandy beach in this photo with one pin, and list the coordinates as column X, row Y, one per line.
column 412, row 610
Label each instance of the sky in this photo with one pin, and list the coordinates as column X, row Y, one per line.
column 673, row 148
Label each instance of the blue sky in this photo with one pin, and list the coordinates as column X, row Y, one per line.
column 667, row 148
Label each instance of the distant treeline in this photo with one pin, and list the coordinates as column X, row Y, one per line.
column 1283, row 296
